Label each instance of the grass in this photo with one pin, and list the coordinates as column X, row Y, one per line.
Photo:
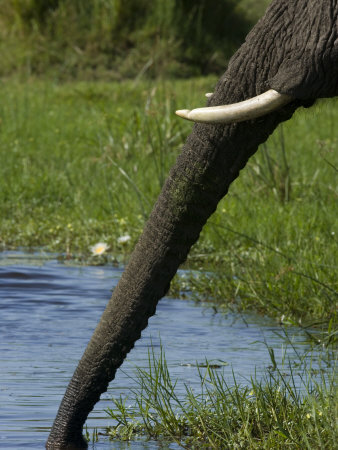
column 82, row 163
column 289, row 408
column 112, row 39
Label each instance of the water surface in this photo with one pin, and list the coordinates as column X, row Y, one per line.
column 48, row 312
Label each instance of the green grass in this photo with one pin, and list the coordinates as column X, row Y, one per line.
column 84, row 162
column 291, row 407
column 272, row 243
column 114, row 39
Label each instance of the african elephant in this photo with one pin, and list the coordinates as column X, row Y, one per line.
column 293, row 51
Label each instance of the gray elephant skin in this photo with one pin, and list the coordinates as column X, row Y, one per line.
column 293, row 49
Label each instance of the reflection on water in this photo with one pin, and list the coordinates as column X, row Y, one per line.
column 48, row 312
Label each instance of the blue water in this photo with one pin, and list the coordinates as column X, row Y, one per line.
column 48, row 312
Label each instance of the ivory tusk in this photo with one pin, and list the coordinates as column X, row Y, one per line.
column 237, row 112
column 209, row 94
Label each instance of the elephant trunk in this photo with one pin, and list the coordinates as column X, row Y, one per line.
column 209, row 162
column 212, row 158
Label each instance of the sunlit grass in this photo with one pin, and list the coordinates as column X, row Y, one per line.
column 82, row 163
column 290, row 407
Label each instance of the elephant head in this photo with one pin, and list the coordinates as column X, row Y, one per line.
column 293, row 51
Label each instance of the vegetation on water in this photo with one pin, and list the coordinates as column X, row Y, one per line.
column 117, row 39
column 290, row 407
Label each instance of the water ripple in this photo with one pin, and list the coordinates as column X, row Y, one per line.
column 48, row 313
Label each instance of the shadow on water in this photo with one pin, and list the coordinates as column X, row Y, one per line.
column 48, row 312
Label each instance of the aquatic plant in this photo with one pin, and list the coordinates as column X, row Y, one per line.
column 99, row 248
column 290, row 407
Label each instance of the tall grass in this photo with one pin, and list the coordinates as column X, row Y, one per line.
column 285, row 409
column 85, row 162
column 274, row 250
column 117, row 39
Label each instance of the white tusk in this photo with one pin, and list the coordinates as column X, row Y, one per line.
column 237, row 112
column 209, row 94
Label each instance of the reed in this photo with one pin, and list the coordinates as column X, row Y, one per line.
column 289, row 407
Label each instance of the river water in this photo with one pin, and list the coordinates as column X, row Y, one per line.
column 48, row 312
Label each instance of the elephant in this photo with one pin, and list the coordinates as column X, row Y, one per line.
column 288, row 60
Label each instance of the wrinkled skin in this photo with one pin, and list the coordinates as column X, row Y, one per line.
column 292, row 49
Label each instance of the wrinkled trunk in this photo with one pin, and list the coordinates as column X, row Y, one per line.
column 200, row 178
column 209, row 162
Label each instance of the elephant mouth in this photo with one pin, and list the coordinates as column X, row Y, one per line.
column 249, row 109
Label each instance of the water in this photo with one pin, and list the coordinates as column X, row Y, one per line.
column 48, row 312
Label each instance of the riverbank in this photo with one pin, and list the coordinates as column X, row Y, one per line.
column 83, row 163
